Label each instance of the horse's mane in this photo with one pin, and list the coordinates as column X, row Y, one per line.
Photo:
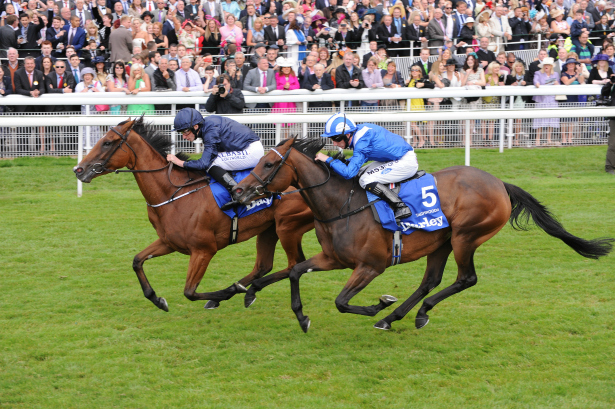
column 155, row 138
column 309, row 146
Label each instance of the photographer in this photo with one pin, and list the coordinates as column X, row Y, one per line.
column 224, row 99
column 608, row 92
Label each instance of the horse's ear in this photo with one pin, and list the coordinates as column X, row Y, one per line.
column 292, row 140
column 139, row 120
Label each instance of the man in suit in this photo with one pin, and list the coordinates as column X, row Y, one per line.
column 500, row 27
column 74, row 67
column 8, row 35
column 484, row 56
column 275, row 34
column 261, row 80
column 61, row 82
column 319, row 80
column 436, row 31
column 453, row 22
column 74, row 35
column 118, row 11
column 520, row 27
column 400, row 26
column 69, row 4
column 160, row 14
column 29, row 31
column 99, row 11
column 82, row 13
column 373, row 47
column 388, row 35
column 560, row 63
column 46, row 52
column 417, row 33
column 213, row 9
column 535, row 66
column 598, row 11
column 168, row 28
column 247, row 22
column 307, row 69
column 423, row 62
column 192, row 10
column 348, row 75
column 12, row 65
column 55, row 35
column 29, row 82
column 180, row 11
column 120, row 41
column 240, row 64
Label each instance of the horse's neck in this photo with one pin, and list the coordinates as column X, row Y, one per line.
column 333, row 197
column 154, row 186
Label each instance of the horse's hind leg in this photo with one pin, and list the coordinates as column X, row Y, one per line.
column 360, row 278
column 156, row 249
column 436, row 262
column 466, row 278
column 265, row 251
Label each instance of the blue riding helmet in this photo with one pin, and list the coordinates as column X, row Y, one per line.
column 337, row 126
column 187, row 118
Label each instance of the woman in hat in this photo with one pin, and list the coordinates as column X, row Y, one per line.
column 188, row 34
column 468, row 35
column 484, row 28
column 545, row 77
column 90, row 84
column 601, row 73
column 558, row 24
column 286, row 80
column 572, row 74
column 101, row 72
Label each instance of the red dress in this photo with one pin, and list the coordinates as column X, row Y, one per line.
column 285, row 107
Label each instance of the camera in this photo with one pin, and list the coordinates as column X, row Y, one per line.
column 221, row 89
column 603, row 101
column 502, row 78
column 90, row 86
column 612, row 79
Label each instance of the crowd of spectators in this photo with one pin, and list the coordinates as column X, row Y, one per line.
column 226, row 47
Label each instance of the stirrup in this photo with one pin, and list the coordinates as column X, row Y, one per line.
column 402, row 212
column 230, row 205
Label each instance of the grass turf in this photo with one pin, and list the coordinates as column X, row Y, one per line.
column 75, row 330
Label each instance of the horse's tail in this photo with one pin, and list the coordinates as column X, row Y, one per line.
column 525, row 205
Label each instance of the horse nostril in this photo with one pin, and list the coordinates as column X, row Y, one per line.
column 78, row 170
column 239, row 191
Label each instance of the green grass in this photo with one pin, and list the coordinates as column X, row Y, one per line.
column 75, row 330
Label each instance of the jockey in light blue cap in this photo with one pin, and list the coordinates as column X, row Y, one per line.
column 394, row 159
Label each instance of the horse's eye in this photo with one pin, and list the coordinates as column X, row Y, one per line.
column 107, row 144
column 268, row 165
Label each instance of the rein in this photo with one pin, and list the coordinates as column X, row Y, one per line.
column 124, row 140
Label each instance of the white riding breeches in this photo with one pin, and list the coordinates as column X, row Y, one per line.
column 390, row 172
column 239, row 160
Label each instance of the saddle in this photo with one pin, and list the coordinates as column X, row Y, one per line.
column 396, row 186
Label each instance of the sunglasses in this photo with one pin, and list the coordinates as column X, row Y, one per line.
column 337, row 138
column 184, row 131
column 415, row 70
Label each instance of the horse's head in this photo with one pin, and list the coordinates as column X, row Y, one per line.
column 277, row 170
column 111, row 152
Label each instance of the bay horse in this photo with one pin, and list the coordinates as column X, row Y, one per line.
column 192, row 224
column 476, row 204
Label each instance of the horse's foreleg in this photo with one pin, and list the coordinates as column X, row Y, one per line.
column 360, row 278
column 290, row 237
column 265, row 250
column 436, row 262
column 156, row 249
column 319, row 262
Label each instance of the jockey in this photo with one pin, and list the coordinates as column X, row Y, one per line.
column 227, row 146
column 394, row 159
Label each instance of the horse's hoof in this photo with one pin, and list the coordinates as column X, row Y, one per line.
column 388, row 300
column 305, row 324
column 420, row 322
column 249, row 300
column 382, row 324
column 240, row 288
column 162, row 304
column 211, row 305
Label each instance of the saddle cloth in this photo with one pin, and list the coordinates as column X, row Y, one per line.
column 421, row 196
column 222, row 197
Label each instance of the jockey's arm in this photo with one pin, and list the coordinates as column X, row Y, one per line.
column 211, row 137
column 350, row 170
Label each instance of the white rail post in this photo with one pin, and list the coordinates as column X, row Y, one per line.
column 88, row 132
column 278, row 133
column 468, row 142
column 511, row 134
column 305, row 125
column 342, row 106
column 79, row 158
column 173, row 134
column 502, row 124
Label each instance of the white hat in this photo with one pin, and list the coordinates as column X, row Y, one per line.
column 546, row 61
column 469, row 20
column 284, row 62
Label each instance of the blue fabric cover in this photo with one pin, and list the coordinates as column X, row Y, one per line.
column 428, row 218
column 222, row 197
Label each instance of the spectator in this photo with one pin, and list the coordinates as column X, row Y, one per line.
column 436, row 31
column 259, row 52
column 208, row 79
column 558, row 24
column 256, row 34
column 501, row 59
column 120, row 41
column 117, row 81
column 493, row 78
column 608, row 91
column 517, row 79
column 468, row 34
column 348, row 76
column 535, row 66
column 296, row 42
column 319, row 80
column 454, row 79
column 231, row 34
column 139, row 82
column 154, row 59
column 231, row 101
column 12, row 65
column 186, row 78
column 587, row 17
column 46, row 49
column 545, row 77
column 75, row 67
column 520, row 27
column 373, row 48
column 46, row 68
column 286, row 80
column 83, row 14
column 416, row 32
column 240, row 60
column 30, row 34
column 89, row 84
column 584, row 50
column 75, row 35
column 55, row 35
column 484, row 55
column 473, row 77
column 560, row 63
column 372, row 78
column 601, row 73
column 262, row 80
column 162, row 41
column 164, row 79
column 416, row 104
column 275, row 34
column 324, row 57
column 29, row 82
column 391, row 78
column 306, row 69
column 500, row 27
column 578, row 27
column 6, row 88
column 572, row 74
column 8, row 35
column 231, row 6
column 272, row 57
column 236, row 76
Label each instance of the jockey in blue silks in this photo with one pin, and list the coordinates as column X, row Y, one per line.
column 394, row 159
column 227, row 146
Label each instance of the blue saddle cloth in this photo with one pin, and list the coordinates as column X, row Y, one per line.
column 421, row 196
column 222, row 197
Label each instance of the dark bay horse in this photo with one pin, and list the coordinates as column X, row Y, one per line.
column 476, row 204
column 193, row 224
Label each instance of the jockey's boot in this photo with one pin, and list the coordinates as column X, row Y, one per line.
column 225, row 179
column 383, row 192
